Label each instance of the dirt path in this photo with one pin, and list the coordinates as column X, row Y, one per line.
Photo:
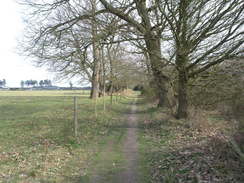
column 130, row 150
column 126, row 172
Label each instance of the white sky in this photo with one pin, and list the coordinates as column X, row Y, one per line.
column 13, row 67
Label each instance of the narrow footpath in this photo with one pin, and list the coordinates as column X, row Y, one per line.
column 127, row 172
column 130, row 150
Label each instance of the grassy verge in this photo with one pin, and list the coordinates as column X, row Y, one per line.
column 37, row 143
column 194, row 150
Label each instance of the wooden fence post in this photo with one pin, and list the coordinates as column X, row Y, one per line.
column 75, row 117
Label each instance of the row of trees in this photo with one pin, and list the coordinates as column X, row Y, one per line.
column 32, row 83
column 115, row 43
column 3, row 83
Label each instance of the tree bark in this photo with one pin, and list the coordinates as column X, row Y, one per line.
column 96, row 61
column 95, row 83
column 182, row 96
column 154, row 52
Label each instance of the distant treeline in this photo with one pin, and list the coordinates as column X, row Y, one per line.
column 33, row 83
column 48, row 88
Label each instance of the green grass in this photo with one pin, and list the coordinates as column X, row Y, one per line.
column 173, row 151
column 37, row 93
column 37, row 143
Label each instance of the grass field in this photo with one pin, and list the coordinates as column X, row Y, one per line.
column 36, row 139
column 197, row 149
column 37, row 143
column 50, row 93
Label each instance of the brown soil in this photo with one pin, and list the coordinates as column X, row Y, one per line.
column 130, row 150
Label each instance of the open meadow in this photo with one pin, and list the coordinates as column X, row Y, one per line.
column 130, row 140
column 37, row 143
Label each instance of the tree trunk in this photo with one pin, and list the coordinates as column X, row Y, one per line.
column 154, row 53
column 96, row 61
column 96, row 73
column 95, row 86
column 182, row 96
column 162, row 91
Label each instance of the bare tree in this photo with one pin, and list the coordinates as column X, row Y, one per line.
column 190, row 36
column 64, row 36
column 96, row 53
column 142, row 21
column 196, row 34
column 205, row 33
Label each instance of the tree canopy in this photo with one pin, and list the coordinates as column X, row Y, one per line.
column 177, row 40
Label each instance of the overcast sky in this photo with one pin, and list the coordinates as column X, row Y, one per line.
column 13, row 67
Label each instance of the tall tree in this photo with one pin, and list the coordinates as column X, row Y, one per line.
column 142, row 19
column 205, row 33
column 96, row 52
column 190, row 36
column 66, row 41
